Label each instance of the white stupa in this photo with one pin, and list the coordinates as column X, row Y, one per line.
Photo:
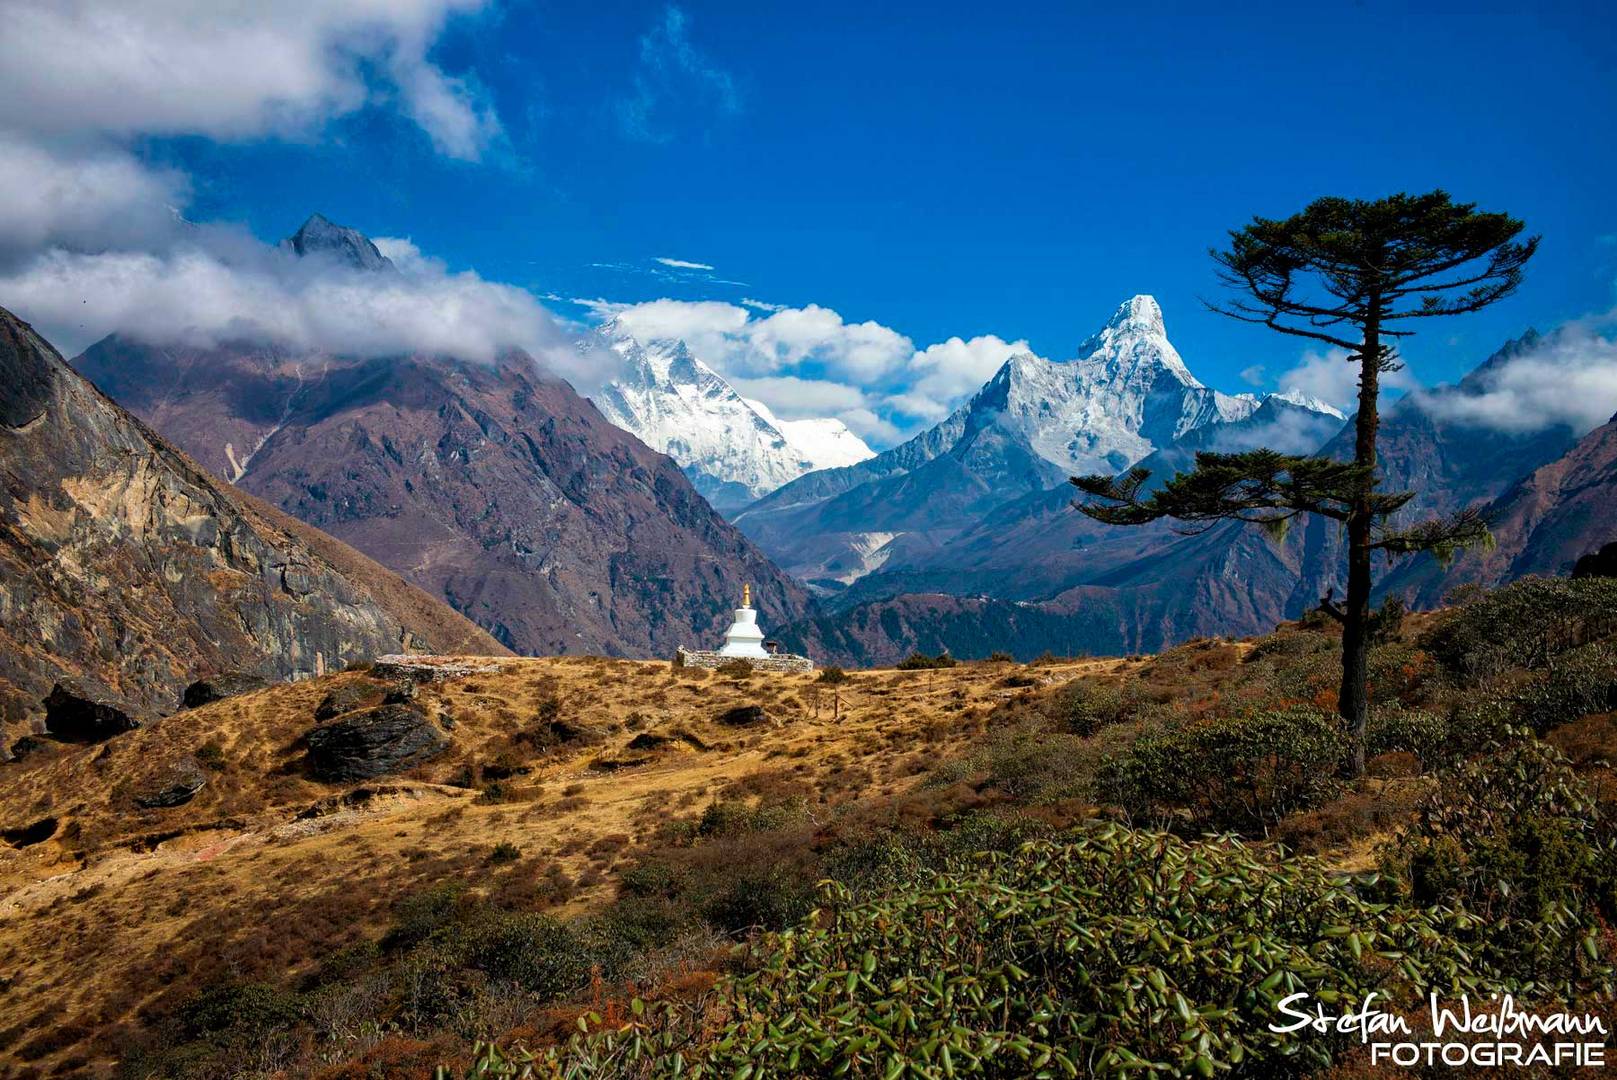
column 744, row 638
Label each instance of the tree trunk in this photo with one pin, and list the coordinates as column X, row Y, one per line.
column 1352, row 700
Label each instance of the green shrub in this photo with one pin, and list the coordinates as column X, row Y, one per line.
column 1243, row 773
column 1112, row 953
column 243, row 1008
column 1083, row 707
column 758, row 895
column 1583, row 681
column 832, row 676
column 536, row 952
column 1526, row 624
column 1517, row 844
column 420, row 915
column 1387, row 621
column 732, row 817
column 653, row 878
column 1429, row 737
column 504, row 852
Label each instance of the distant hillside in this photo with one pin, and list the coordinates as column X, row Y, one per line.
column 1141, row 589
column 1556, row 514
column 493, row 486
column 129, row 568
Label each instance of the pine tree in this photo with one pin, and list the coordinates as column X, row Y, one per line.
column 1352, row 274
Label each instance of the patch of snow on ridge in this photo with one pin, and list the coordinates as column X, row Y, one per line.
column 1297, row 397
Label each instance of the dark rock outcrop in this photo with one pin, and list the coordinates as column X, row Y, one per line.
column 743, row 716
column 28, row 835
column 27, row 746
column 124, row 564
column 344, row 699
column 374, row 742
column 219, row 687
column 173, row 785
column 323, row 238
column 74, row 713
column 1599, row 563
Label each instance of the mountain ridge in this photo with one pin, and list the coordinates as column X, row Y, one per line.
column 735, row 450
column 132, row 571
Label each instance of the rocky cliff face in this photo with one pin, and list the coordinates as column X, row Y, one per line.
column 493, row 486
column 1557, row 514
column 128, row 569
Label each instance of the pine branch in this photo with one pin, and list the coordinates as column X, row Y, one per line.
column 1443, row 537
column 1260, row 487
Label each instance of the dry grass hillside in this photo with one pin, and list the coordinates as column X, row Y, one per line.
column 524, row 846
column 111, row 914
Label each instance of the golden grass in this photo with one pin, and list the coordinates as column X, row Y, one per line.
column 266, row 870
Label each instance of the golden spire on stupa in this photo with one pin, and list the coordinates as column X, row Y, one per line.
column 746, row 596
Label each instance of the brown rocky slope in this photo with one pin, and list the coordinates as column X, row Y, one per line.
column 124, row 566
column 494, row 486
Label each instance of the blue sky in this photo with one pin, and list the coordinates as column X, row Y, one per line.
column 946, row 169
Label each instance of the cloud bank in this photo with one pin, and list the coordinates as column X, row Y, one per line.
column 1569, row 380
column 1333, row 377
column 233, row 71
column 93, row 240
column 810, row 361
column 221, row 288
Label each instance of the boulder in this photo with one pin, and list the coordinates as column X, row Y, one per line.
column 27, row 745
column 1601, row 563
column 373, row 742
column 344, row 699
column 74, row 713
column 173, row 785
column 400, row 693
column 743, row 716
column 219, row 687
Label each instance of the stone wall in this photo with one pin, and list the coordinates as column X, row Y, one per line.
column 422, row 668
column 703, row 658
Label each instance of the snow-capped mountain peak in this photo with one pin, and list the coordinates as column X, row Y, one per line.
column 1133, row 346
column 1294, row 396
column 734, row 450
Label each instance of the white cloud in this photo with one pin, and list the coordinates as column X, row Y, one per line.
column 940, row 375
column 800, row 398
column 674, row 83
column 92, row 240
column 224, row 287
column 1333, row 377
column 86, row 198
column 810, row 361
column 1570, row 379
column 1253, row 376
column 761, row 305
column 684, row 264
column 232, row 70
